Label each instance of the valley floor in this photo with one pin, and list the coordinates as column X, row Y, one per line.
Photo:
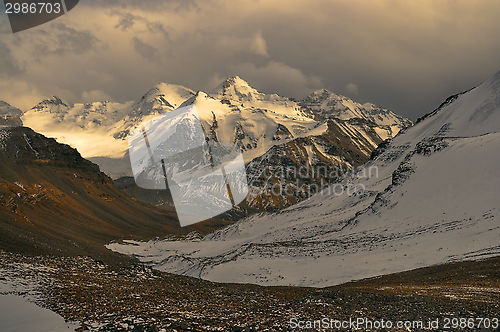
column 100, row 297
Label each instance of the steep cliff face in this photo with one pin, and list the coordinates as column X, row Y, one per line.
column 296, row 170
column 54, row 201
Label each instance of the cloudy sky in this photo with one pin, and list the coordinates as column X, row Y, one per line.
column 407, row 56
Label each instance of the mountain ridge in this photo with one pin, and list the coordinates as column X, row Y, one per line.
column 254, row 121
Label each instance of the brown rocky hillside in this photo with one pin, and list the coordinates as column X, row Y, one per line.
column 52, row 201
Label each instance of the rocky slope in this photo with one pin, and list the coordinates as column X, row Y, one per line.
column 98, row 297
column 296, row 170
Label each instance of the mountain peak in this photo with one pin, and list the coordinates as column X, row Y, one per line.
column 236, row 80
column 493, row 82
column 55, row 100
column 323, row 104
column 51, row 104
column 235, row 86
column 327, row 94
column 170, row 95
column 7, row 109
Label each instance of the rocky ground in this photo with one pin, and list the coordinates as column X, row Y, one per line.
column 134, row 297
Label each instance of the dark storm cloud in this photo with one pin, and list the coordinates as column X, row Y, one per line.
column 144, row 49
column 59, row 39
column 69, row 40
column 157, row 27
column 407, row 56
column 9, row 65
column 127, row 21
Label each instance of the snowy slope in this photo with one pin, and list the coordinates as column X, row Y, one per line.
column 434, row 200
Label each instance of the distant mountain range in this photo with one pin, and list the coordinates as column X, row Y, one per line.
column 433, row 198
column 322, row 130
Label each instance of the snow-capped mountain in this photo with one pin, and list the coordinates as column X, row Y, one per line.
column 100, row 129
column 275, row 131
column 324, row 104
column 267, row 128
column 431, row 197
